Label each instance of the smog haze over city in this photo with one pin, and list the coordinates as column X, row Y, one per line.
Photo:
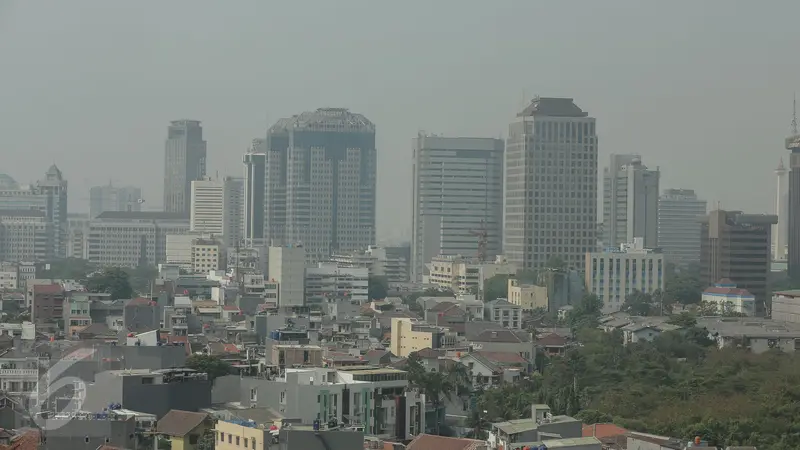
column 701, row 89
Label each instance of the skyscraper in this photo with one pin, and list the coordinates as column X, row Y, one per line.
column 551, row 184
column 793, row 145
column 630, row 202
column 736, row 246
column 114, row 198
column 233, row 211
column 679, row 215
column 184, row 162
column 255, row 160
column 457, row 199
column 320, row 182
column 780, row 233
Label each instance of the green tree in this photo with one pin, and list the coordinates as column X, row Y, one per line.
column 684, row 319
column 112, row 280
column 141, row 278
column 495, row 287
column 65, row 269
column 639, row 304
column 586, row 313
column 682, row 286
column 592, row 416
column 211, row 365
column 378, row 287
column 556, row 263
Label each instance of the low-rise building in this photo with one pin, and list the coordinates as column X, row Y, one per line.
column 329, row 281
column 527, row 296
column 409, row 336
column 187, row 430
column 379, row 262
column 786, row 306
column 77, row 312
column 541, row 426
column 504, row 313
column 296, row 356
column 727, row 299
column 614, row 273
column 48, row 303
column 464, row 275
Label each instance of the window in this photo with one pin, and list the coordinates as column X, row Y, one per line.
column 237, row 440
column 222, row 437
column 147, row 380
column 193, row 439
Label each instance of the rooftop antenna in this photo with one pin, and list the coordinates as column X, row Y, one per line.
column 794, row 114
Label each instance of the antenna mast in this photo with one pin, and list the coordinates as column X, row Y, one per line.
column 794, row 114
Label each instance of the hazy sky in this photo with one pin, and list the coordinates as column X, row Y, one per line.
column 702, row 89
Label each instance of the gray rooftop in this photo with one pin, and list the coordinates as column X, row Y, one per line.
column 325, row 119
column 553, row 107
column 141, row 215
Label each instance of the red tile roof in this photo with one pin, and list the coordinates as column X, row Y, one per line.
column 27, row 441
column 502, row 357
column 48, row 289
column 728, row 291
column 230, row 308
column 431, row 442
column 178, row 339
column 231, row 348
column 139, row 302
column 551, row 340
column 601, row 430
column 429, row 353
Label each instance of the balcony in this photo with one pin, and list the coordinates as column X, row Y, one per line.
column 19, row 373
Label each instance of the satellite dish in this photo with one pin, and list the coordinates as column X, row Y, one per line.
column 140, row 201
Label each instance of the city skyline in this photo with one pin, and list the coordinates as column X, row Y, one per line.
column 637, row 93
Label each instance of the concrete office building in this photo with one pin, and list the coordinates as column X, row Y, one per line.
column 255, row 160
column 216, row 209
column 49, row 196
column 679, row 214
column 25, row 235
column 551, row 184
column 328, row 283
column 737, row 246
column 614, row 273
column 287, row 268
column 380, row 261
column 184, row 162
column 320, row 182
column 780, row 232
column 457, row 195
column 630, row 201
column 114, row 198
column 77, row 233
column 130, row 239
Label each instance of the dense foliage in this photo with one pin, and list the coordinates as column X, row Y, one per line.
column 113, row 280
column 211, row 365
column 680, row 385
column 378, row 287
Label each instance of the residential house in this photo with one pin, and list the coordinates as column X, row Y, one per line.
column 296, row 355
column 186, row 430
column 755, row 334
column 76, row 312
column 378, row 357
column 552, row 344
column 727, row 299
column 490, row 369
column 541, row 426
column 430, row 441
column 644, row 332
column 527, row 296
column 445, row 314
column 786, row 306
column 502, row 340
column 504, row 313
column 408, row 336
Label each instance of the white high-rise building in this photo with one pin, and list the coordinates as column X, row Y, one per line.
column 780, row 234
column 551, row 184
column 679, row 226
column 457, row 196
column 630, row 201
column 613, row 274
column 207, row 207
column 287, row 268
column 114, row 198
column 217, row 208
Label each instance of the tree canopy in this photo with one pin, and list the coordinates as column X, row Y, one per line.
column 212, row 365
column 112, row 280
column 679, row 385
column 65, row 269
column 378, row 287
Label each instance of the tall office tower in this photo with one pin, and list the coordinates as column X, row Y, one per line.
column 551, row 184
column 630, row 202
column 780, row 232
column 49, row 196
column 736, row 246
column 320, row 182
column 457, row 199
column 184, row 162
column 233, row 211
column 793, row 240
column 114, row 198
column 255, row 160
column 679, row 214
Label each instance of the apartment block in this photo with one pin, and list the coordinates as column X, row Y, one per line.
column 409, row 336
column 613, row 274
column 328, row 282
column 503, row 313
column 630, row 201
column 380, row 261
column 131, row 239
column 465, row 275
column 737, row 246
